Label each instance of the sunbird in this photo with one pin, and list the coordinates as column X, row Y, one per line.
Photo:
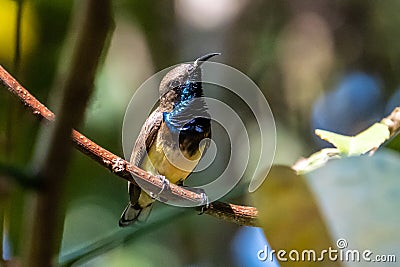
column 169, row 144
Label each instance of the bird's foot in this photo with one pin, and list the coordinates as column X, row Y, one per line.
column 205, row 203
column 165, row 185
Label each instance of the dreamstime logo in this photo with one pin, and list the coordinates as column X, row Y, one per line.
column 330, row 254
column 223, row 114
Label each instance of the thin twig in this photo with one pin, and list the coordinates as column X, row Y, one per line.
column 318, row 159
column 116, row 238
column 242, row 215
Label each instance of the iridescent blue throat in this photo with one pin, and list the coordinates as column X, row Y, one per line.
column 190, row 113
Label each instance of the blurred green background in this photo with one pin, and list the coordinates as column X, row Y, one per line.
column 323, row 64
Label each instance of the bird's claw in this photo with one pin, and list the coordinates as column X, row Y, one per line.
column 204, row 202
column 165, row 185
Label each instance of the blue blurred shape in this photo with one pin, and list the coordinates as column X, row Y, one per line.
column 394, row 101
column 251, row 248
column 6, row 247
column 354, row 105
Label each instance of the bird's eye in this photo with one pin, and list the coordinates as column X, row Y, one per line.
column 173, row 84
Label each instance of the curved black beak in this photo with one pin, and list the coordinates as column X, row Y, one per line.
column 204, row 58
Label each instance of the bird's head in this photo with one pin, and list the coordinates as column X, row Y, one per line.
column 182, row 83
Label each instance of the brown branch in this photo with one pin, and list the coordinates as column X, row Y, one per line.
column 242, row 215
column 393, row 121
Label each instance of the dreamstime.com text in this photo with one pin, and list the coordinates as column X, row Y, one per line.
column 330, row 254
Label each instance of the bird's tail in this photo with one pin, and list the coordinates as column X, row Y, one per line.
column 139, row 206
column 134, row 213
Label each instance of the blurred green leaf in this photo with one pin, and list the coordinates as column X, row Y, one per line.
column 290, row 216
column 316, row 160
column 342, row 142
column 360, row 198
column 363, row 142
column 394, row 143
column 357, row 145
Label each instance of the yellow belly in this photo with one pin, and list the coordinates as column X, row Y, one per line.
column 173, row 165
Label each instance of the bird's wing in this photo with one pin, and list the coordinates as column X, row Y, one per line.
column 146, row 137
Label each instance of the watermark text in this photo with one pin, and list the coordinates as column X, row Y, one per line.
column 341, row 253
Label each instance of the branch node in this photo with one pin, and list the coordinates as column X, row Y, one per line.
column 118, row 165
